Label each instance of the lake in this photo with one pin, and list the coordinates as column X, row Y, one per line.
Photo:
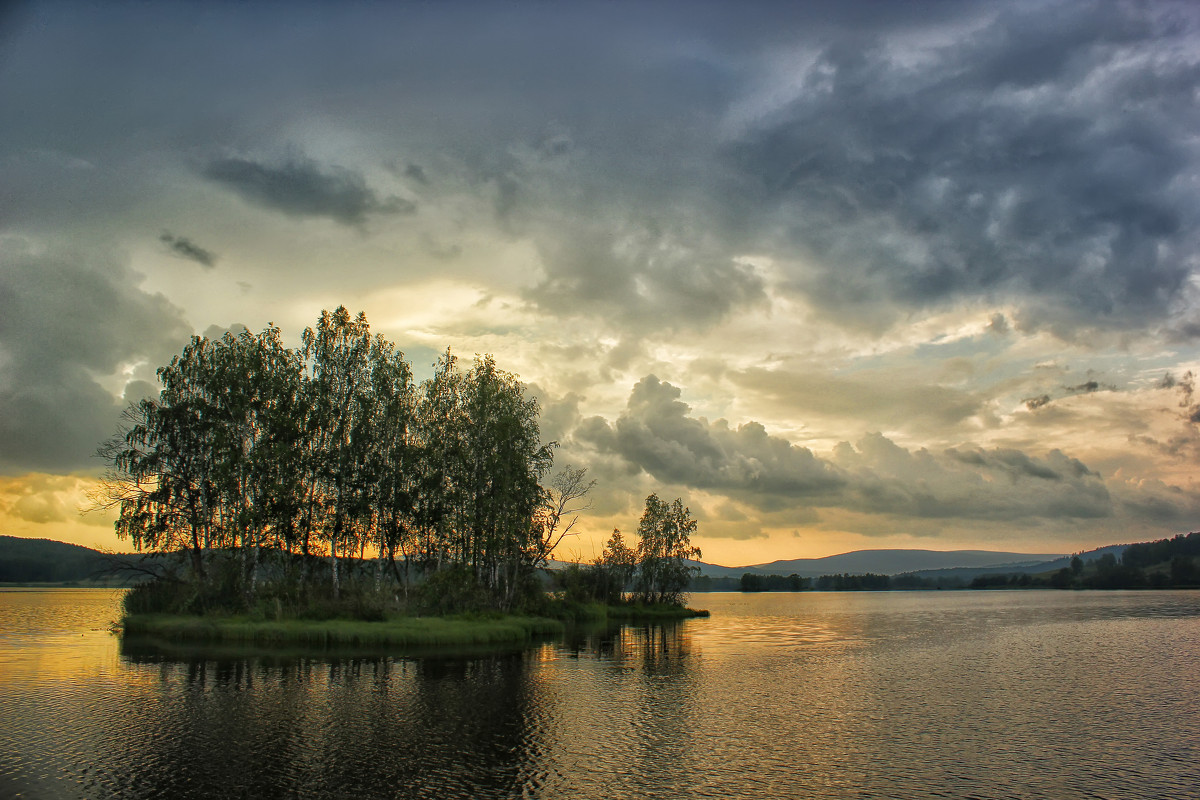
column 814, row 695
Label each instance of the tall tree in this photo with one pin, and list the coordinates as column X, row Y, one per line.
column 665, row 546
column 439, row 465
column 619, row 563
column 331, row 449
column 160, row 473
column 392, row 453
column 254, row 383
column 339, row 407
column 503, row 465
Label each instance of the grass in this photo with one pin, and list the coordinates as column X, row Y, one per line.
column 624, row 612
column 393, row 632
column 640, row 613
column 397, row 632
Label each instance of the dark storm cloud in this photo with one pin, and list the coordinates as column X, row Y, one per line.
column 415, row 172
column 888, row 157
column 186, row 248
column 1159, row 502
column 66, row 320
column 657, row 434
column 1019, row 464
column 300, row 187
column 1043, row 159
column 1036, row 155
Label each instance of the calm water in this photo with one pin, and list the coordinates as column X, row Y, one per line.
column 935, row 694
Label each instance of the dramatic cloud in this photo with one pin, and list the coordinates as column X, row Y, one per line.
column 1042, row 158
column 186, row 248
column 874, row 398
column 970, row 484
column 1159, row 503
column 657, row 434
column 70, row 325
column 300, row 188
column 920, row 266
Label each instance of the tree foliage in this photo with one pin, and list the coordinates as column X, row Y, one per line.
column 331, row 450
column 604, row 580
column 663, row 551
column 658, row 568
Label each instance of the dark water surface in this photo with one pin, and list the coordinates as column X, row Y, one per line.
column 897, row 695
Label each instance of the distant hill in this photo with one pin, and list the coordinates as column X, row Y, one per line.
column 887, row 562
column 967, row 574
column 48, row 561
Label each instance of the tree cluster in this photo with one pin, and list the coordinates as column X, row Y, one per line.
column 658, row 569
column 331, row 450
column 1164, row 564
column 867, row 582
column 753, row 582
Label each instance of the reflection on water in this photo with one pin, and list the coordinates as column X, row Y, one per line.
column 336, row 728
column 955, row 694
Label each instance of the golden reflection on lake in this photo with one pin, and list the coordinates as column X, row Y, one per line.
column 827, row 695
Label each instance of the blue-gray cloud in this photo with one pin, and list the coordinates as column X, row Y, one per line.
column 300, row 187
column 67, row 320
column 185, row 248
column 888, row 157
column 1043, row 159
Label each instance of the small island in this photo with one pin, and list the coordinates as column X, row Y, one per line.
column 319, row 496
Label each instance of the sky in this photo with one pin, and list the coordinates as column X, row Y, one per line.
column 840, row 275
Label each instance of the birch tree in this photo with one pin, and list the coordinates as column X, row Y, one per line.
column 338, row 392
column 664, row 549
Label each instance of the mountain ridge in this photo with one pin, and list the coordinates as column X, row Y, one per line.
column 894, row 561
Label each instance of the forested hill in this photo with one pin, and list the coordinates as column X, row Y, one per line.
column 1164, row 564
column 891, row 562
column 46, row 561
column 1175, row 561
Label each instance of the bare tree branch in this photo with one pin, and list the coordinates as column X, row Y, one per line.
column 566, row 497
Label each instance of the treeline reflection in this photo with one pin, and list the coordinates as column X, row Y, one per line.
column 659, row 649
column 498, row 725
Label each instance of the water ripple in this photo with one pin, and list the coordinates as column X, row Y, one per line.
column 922, row 695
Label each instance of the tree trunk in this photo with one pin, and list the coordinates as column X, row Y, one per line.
column 336, row 584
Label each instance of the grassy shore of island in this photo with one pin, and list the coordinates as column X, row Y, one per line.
column 661, row 613
column 395, row 630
